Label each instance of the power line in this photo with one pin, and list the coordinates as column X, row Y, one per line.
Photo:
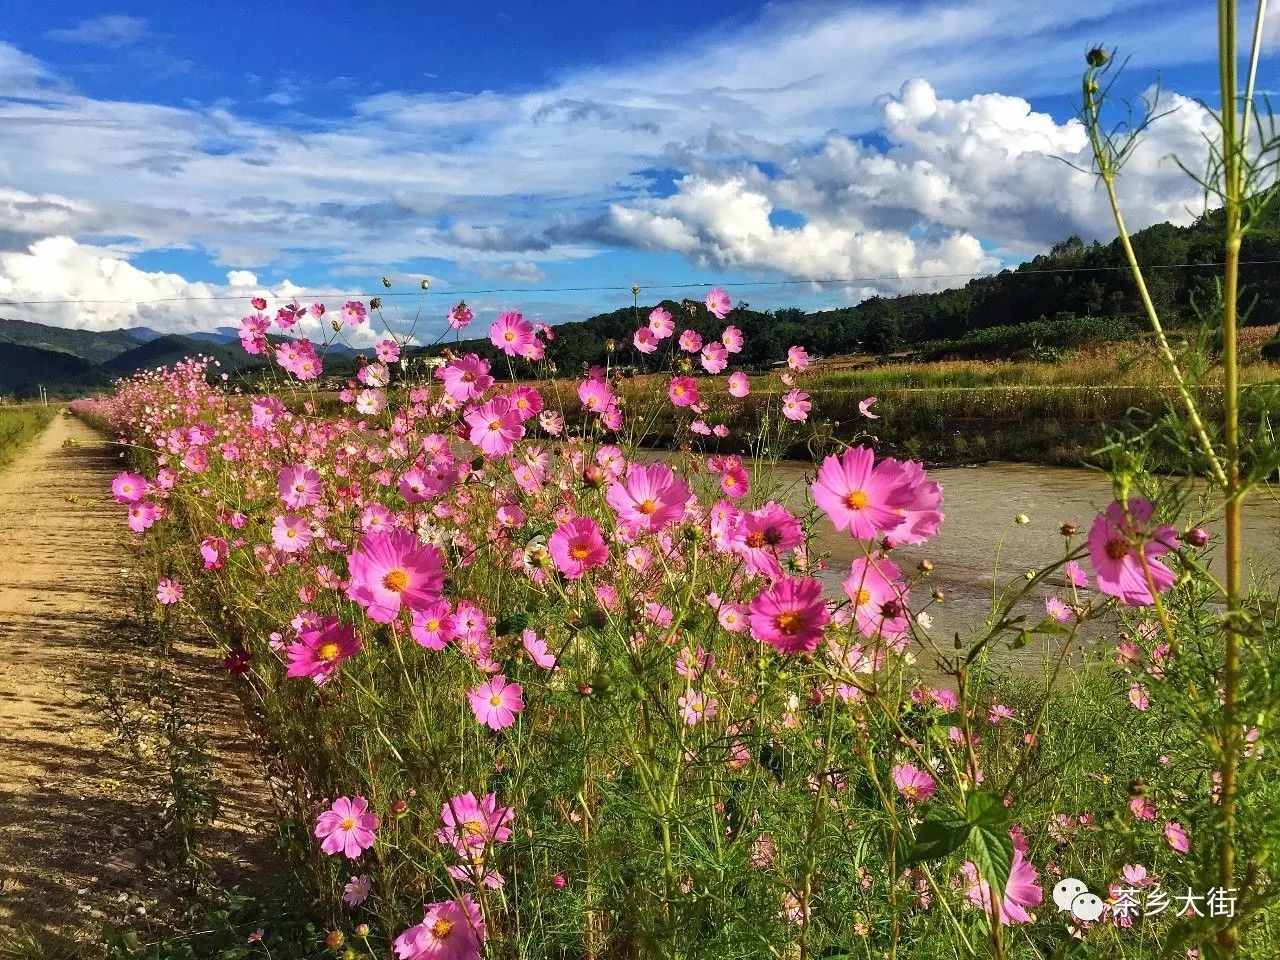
column 657, row 285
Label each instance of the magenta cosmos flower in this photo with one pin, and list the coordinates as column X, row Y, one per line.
column 739, row 384
column 291, row 533
column 798, row 359
column 860, row 495
column 913, row 783
column 392, row 569
column 796, row 406
column 128, row 487
column 465, row 378
column 595, row 395
column 660, row 323
column 789, row 615
column 460, row 315
column 879, row 596
column 683, row 391
column 645, row 341
column 299, row 486
column 168, row 591
column 451, row 930
column 1118, row 543
column 347, row 827
column 650, row 498
column 470, row 824
column 718, row 303
column 319, row 650
column 1021, row 891
column 496, row 702
column 495, row 427
column 577, row 546
column 511, row 334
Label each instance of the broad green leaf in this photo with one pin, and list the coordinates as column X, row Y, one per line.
column 942, row 831
column 989, row 841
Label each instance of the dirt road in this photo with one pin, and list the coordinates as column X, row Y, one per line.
column 78, row 808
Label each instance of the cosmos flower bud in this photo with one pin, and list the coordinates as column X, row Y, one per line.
column 939, row 595
column 375, row 303
column 1197, row 536
column 925, row 566
column 1097, row 57
column 635, row 289
column 1022, row 519
column 1069, row 529
column 425, row 283
column 386, row 282
column 334, row 940
column 362, row 930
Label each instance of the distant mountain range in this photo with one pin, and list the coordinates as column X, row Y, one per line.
column 73, row 362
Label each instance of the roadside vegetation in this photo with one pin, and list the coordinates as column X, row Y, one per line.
column 18, row 425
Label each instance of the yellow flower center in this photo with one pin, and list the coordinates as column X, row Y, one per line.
column 348, row 824
column 788, row 622
column 856, row 500
column 864, row 596
column 396, row 580
column 441, row 929
column 579, row 552
column 495, row 701
column 1117, row 548
column 648, row 507
column 328, row 652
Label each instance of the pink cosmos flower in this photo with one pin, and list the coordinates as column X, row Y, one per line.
column 347, row 827
column 645, row 341
column 861, row 496
column 128, row 487
column 714, row 357
column 432, row 626
column 734, row 481
column 789, row 615
column 1138, row 697
column 864, row 408
column 460, row 316
column 465, row 378
column 1118, row 543
column 320, row 648
column 526, row 402
column 660, row 323
column 537, row 650
column 732, row 339
column 576, row 546
column 691, row 341
column 394, row 568
column 1077, row 576
column 1177, row 836
column 495, row 427
column 141, row 516
column 511, row 334
column 299, row 486
column 291, row 533
column 1057, row 609
column 471, row 824
column 798, row 359
column 879, row 597
column 1021, row 891
column 913, row 783
column 718, row 303
column 650, row 498
column 213, row 550
column 763, row 535
column 796, row 405
column 451, row 930
column 683, row 391
column 496, row 702
column 922, row 515
column 595, row 395
column 168, row 591
column 354, row 313
column 739, row 384
column 696, row 707
column 356, row 891
column 387, row 350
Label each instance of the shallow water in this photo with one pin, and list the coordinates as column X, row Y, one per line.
column 980, row 504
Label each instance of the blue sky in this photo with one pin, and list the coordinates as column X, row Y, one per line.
column 161, row 150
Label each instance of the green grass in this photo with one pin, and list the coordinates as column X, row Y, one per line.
column 18, row 424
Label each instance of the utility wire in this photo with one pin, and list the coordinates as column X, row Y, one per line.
column 664, row 285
